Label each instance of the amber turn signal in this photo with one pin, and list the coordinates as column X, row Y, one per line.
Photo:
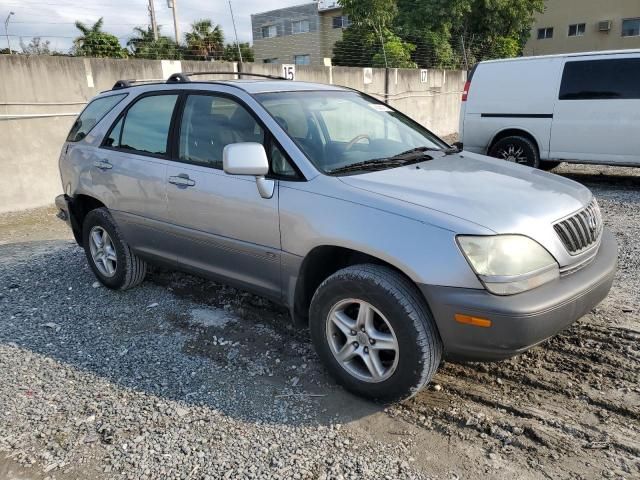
column 475, row 321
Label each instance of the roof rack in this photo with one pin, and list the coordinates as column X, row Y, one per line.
column 129, row 83
column 184, row 77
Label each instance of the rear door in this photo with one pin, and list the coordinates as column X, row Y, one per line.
column 223, row 226
column 597, row 113
column 130, row 168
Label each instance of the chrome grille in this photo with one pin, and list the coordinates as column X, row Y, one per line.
column 582, row 230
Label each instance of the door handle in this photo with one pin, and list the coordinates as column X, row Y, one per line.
column 102, row 164
column 182, row 180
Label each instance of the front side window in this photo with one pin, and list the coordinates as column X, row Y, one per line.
column 544, row 33
column 631, row 27
column 210, row 123
column 301, row 26
column 145, row 127
column 601, row 79
column 269, row 31
column 577, row 29
column 91, row 115
column 340, row 129
column 301, row 59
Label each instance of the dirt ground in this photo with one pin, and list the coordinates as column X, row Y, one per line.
column 569, row 408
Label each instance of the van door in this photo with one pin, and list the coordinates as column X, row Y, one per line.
column 223, row 226
column 597, row 114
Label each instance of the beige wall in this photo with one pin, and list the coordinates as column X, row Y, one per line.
column 559, row 14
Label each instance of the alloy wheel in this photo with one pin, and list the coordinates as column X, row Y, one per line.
column 103, row 252
column 362, row 340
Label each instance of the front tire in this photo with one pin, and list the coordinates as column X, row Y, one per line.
column 516, row 149
column 109, row 256
column 374, row 332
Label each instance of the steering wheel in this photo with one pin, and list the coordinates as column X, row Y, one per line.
column 355, row 140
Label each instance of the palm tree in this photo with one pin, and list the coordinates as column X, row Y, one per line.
column 95, row 43
column 144, row 45
column 205, row 40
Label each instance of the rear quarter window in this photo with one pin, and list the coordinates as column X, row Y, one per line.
column 91, row 115
column 615, row 79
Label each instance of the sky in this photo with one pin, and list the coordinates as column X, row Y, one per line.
column 53, row 20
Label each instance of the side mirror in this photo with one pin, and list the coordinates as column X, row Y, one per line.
column 249, row 159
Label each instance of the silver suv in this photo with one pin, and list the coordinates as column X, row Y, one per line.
column 392, row 247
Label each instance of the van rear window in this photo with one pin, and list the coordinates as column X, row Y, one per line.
column 91, row 115
column 601, row 79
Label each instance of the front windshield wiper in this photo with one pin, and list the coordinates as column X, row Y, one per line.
column 407, row 157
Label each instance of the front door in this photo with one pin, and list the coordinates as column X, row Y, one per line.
column 226, row 229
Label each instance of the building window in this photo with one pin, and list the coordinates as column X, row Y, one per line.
column 301, row 59
column 301, row 26
column 577, row 29
column 269, row 31
column 631, row 27
column 270, row 60
column 545, row 33
column 341, row 21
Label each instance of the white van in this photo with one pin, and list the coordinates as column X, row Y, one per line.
column 538, row 111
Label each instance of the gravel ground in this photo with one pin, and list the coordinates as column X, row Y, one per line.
column 188, row 379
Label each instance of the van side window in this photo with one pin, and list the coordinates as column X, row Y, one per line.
column 210, row 123
column 91, row 115
column 601, row 79
column 146, row 125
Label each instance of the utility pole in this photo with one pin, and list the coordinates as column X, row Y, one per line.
column 6, row 30
column 173, row 4
column 154, row 23
column 235, row 31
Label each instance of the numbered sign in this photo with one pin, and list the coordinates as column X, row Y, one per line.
column 289, row 72
column 423, row 76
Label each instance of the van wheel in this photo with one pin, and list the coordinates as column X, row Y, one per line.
column 374, row 332
column 109, row 256
column 516, row 149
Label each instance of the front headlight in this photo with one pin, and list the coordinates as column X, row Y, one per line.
column 509, row 264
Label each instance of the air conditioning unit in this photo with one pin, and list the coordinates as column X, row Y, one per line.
column 604, row 26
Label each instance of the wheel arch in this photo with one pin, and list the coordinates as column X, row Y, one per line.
column 514, row 132
column 80, row 206
column 320, row 263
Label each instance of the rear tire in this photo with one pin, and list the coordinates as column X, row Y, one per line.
column 400, row 345
column 516, row 149
column 109, row 256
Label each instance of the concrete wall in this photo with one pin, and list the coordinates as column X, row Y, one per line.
column 559, row 14
column 40, row 97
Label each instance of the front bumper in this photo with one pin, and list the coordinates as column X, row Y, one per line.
column 520, row 321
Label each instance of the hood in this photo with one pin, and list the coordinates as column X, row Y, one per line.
column 501, row 196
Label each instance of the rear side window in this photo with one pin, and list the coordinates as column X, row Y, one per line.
column 91, row 115
column 145, row 127
column 601, row 79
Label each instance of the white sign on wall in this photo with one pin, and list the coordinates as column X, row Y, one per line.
column 424, row 77
column 367, row 75
column 289, row 71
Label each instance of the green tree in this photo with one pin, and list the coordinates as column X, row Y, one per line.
column 373, row 21
column 205, row 41
column 231, row 52
column 144, row 45
column 95, row 43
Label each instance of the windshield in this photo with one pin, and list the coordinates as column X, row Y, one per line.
column 337, row 130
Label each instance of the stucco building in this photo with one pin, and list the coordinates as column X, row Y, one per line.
column 302, row 34
column 585, row 25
